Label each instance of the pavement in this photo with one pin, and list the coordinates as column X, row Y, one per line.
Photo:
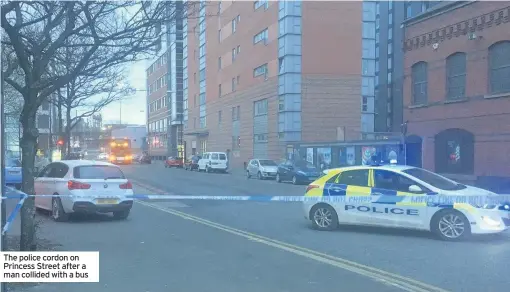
column 262, row 246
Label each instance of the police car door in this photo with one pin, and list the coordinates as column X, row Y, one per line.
column 354, row 187
column 393, row 208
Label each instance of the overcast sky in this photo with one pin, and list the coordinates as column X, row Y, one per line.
column 131, row 105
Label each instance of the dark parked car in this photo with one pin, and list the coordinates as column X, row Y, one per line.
column 297, row 171
column 73, row 156
column 192, row 162
column 145, row 158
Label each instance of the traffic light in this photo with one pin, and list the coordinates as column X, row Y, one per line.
column 60, row 141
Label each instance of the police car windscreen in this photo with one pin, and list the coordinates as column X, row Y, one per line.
column 98, row 172
column 12, row 163
column 434, row 179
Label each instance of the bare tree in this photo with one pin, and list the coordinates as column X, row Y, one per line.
column 89, row 95
column 104, row 34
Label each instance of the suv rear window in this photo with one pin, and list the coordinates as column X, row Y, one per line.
column 98, row 172
column 223, row 157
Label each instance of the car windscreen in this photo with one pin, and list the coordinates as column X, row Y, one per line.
column 223, row 157
column 12, row 163
column 434, row 179
column 304, row 164
column 267, row 163
column 98, row 172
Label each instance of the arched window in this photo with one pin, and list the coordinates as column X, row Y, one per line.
column 456, row 76
column 499, row 67
column 454, row 151
column 419, row 80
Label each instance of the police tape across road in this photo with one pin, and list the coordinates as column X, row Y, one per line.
column 379, row 199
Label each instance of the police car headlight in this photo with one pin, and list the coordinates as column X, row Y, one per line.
column 483, row 206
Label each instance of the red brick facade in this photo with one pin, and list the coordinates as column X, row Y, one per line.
column 481, row 144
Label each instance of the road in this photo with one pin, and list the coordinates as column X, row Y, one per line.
column 255, row 246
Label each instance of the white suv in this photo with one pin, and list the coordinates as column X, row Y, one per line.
column 84, row 186
column 213, row 161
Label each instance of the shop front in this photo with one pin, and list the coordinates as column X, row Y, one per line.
column 340, row 154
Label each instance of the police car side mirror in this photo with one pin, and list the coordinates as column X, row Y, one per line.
column 415, row 189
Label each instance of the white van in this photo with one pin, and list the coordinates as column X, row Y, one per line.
column 213, row 161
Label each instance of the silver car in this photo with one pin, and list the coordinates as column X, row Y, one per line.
column 262, row 168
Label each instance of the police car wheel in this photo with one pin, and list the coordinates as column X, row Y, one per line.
column 451, row 225
column 324, row 217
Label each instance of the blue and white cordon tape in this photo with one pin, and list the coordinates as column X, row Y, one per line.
column 388, row 199
column 378, row 198
column 22, row 196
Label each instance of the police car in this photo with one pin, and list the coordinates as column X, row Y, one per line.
column 385, row 195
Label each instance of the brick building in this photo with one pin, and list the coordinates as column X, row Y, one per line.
column 271, row 72
column 457, row 89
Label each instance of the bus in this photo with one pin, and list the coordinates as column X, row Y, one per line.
column 120, row 151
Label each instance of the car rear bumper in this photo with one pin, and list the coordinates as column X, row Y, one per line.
column 89, row 207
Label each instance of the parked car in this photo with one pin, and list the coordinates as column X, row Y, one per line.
column 73, row 156
column 13, row 176
column 102, row 156
column 192, row 162
column 213, row 161
column 145, row 158
column 173, row 162
column 262, row 168
column 297, row 171
column 86, row 187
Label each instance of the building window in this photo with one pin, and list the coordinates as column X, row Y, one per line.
column 499, row 67
column 235, row 113
column 233, row 84
column 238, row 79
column 456, row 76
column 234, row 25
column 219, row 63
column 261, row 36
column 259, row 71
column 259, row 4
column 219, row 117
column 364, row 104
column 260, row 138
column 234, row 51
column 419, row 82
column 219, row 36
column 219, row 90
column 260, row 107
column 238, row 49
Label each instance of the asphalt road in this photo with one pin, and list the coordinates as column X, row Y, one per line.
column 251, row 246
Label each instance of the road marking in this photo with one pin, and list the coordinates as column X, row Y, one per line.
column 392, row 279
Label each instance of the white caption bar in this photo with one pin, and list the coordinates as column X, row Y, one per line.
column 77, row 267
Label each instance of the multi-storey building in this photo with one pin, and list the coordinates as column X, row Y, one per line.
column 166, row 88
column 266, row 73
column 382, row 63
column 457, row 89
